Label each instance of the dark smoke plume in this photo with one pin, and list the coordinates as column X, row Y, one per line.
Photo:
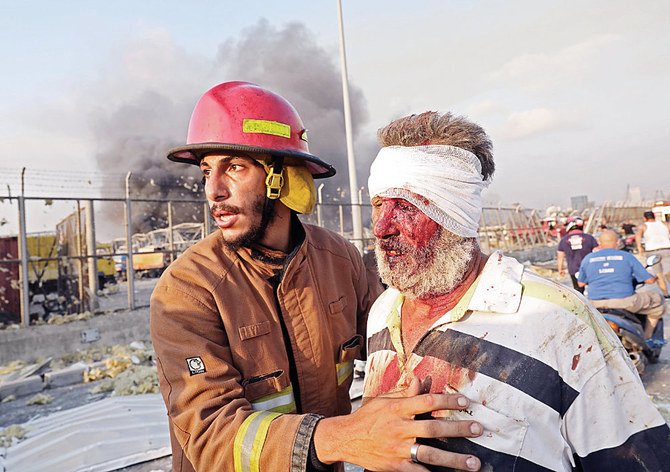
column 289, row 61
column 136, row 135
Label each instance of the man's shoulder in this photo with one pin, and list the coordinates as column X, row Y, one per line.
column 622, row 255
column 552, row 295
column 558, row 298
column 323, row 239
column 536, row 285
column 591, row 255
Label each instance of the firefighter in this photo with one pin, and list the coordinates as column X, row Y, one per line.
column 256, row 327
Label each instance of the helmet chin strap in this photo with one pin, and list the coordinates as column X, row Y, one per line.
column 273, row 184
column 275, row 179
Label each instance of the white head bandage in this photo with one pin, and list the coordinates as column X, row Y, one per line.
column 447, row 177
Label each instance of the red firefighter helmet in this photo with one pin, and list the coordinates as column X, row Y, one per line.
column 241, row 116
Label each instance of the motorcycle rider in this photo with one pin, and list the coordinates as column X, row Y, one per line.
column 610, row 274
column 656, row 235
column 574, row 246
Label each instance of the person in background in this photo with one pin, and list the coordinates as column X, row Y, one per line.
column 610, row 275
column 599, row 231
column 656, row 238
column 546, row 376
column 256, row 327
column 573, row 247
column 628, row 228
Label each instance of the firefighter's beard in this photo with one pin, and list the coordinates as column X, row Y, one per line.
column 261, row 213
column 423, row 273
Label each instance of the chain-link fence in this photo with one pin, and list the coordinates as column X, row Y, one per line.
column 72, row 269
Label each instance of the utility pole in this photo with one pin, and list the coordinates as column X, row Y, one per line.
column 23, row 254
column 130, row 272
column 356, row 214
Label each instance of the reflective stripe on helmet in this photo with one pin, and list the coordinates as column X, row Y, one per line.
column 266, row 127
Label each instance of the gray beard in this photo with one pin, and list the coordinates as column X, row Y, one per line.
column 435, row 270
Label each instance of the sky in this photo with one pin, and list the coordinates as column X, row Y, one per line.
column 572, row 93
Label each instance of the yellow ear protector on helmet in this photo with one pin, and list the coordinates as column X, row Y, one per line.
column 293, row 185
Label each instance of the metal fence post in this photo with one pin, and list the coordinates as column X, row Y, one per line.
column 361, row 243
column 23, row 254
column 485, row 231
column 170, row 234
column 318, row 205
column 130, row 272
column 341, row 209
column 208, row 225
column 92, row 254
column 503, row 229
column 80, row 262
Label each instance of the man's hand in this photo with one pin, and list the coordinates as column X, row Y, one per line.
column 560, row 257
column 380, row 434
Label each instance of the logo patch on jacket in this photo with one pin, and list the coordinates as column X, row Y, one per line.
column 195, row 365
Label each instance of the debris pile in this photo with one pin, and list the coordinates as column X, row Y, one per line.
column 40, row 399
column 62, row 319
column 128, row 371
column 12, row 435
column 19, row 369
column 121, row 369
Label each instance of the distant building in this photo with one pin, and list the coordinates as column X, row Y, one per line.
column 579, row 202
column 633, row 195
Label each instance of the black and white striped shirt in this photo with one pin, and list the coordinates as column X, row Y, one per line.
column 548, row 379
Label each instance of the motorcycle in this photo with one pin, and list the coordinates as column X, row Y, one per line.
column 629, row 327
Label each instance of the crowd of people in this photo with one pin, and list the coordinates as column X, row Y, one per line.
column 473, row 362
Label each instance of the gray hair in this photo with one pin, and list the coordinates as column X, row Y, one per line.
column 434, row 128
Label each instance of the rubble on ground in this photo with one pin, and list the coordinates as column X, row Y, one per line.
column 125, row 372
column 11, row 435
column 135, row 380
column 19, row 369
column 122, row 369
column 40, row 399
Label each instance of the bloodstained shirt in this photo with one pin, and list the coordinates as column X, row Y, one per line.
column 547, row 378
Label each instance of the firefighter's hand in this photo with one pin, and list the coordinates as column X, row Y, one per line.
column 561, row 272
column 379, row 435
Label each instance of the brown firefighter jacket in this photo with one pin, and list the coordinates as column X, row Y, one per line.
column 241, row 395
